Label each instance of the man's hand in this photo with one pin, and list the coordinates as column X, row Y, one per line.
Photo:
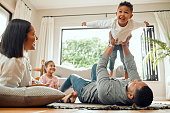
column 147, row 24
column 84, row 24
column 112, row 40
column 127, row 40
column 109, row 50
column 125, row 46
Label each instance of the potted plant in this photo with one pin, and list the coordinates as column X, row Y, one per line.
column 162, row 50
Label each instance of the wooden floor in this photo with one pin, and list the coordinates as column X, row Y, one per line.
column 49, row 110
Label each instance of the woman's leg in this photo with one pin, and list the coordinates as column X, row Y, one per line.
column 77, row 82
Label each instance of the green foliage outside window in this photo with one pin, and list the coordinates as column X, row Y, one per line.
column 82, row 53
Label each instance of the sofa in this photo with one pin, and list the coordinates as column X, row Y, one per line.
column 63, row 72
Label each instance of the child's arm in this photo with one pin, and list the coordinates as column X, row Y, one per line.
column 138, row 24
column 146, row 23
column 56, row 82
column 99, row 23
column 83, row 23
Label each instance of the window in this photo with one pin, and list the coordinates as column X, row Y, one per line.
column 82, row 47
column 150, row 71
column 5, row 16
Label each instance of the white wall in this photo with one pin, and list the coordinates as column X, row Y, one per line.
column 9, row 4
column 76, row 21
column 33, row 22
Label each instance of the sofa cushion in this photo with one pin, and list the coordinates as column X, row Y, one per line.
column 64, row 72
column 28, row 96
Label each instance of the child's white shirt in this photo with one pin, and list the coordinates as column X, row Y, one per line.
column 116, row 30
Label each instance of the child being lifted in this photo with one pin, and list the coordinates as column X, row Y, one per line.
column 121, row 27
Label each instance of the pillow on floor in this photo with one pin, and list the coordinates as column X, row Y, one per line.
column 28, row 96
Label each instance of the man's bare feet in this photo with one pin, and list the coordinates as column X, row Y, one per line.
column 72, row 97
column 111, row 73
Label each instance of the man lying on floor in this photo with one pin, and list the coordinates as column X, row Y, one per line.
column 111, row 91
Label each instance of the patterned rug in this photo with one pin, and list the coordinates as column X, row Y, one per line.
column 154, row 106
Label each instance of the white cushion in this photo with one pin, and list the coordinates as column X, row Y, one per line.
column 28, row 96
column 64, row 72
column 119, row 72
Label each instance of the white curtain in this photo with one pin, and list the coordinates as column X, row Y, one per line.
column 45, row 40
column 163, row 21
column 22, row 11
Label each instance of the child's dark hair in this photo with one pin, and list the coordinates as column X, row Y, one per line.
column 46, row 64
column 128, row 4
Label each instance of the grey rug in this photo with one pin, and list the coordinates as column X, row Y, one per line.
column 154, row 106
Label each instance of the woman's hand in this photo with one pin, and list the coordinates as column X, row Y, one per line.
column 38, row 85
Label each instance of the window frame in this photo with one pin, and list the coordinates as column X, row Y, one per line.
column 10, row 14
column 80, row 28
column 150, row 32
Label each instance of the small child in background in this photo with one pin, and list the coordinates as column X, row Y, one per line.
column 48, row 78
column 121, row 27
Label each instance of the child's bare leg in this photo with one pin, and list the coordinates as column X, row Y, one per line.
column 126, row 75
column 111, row 73
column 72, row 96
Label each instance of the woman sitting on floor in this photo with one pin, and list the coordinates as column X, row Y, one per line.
column 15, row 71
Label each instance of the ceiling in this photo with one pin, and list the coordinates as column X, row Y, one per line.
column 54, row 4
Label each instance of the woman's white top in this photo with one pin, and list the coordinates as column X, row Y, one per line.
column 15, row 72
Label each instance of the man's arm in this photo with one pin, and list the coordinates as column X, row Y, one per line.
column 104, row 83
column 130, row 62
column 102, row 64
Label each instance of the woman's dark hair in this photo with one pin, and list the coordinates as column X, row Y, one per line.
column 46, row 64
column 12, row 41
column 127, row 4
column 143, row 97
